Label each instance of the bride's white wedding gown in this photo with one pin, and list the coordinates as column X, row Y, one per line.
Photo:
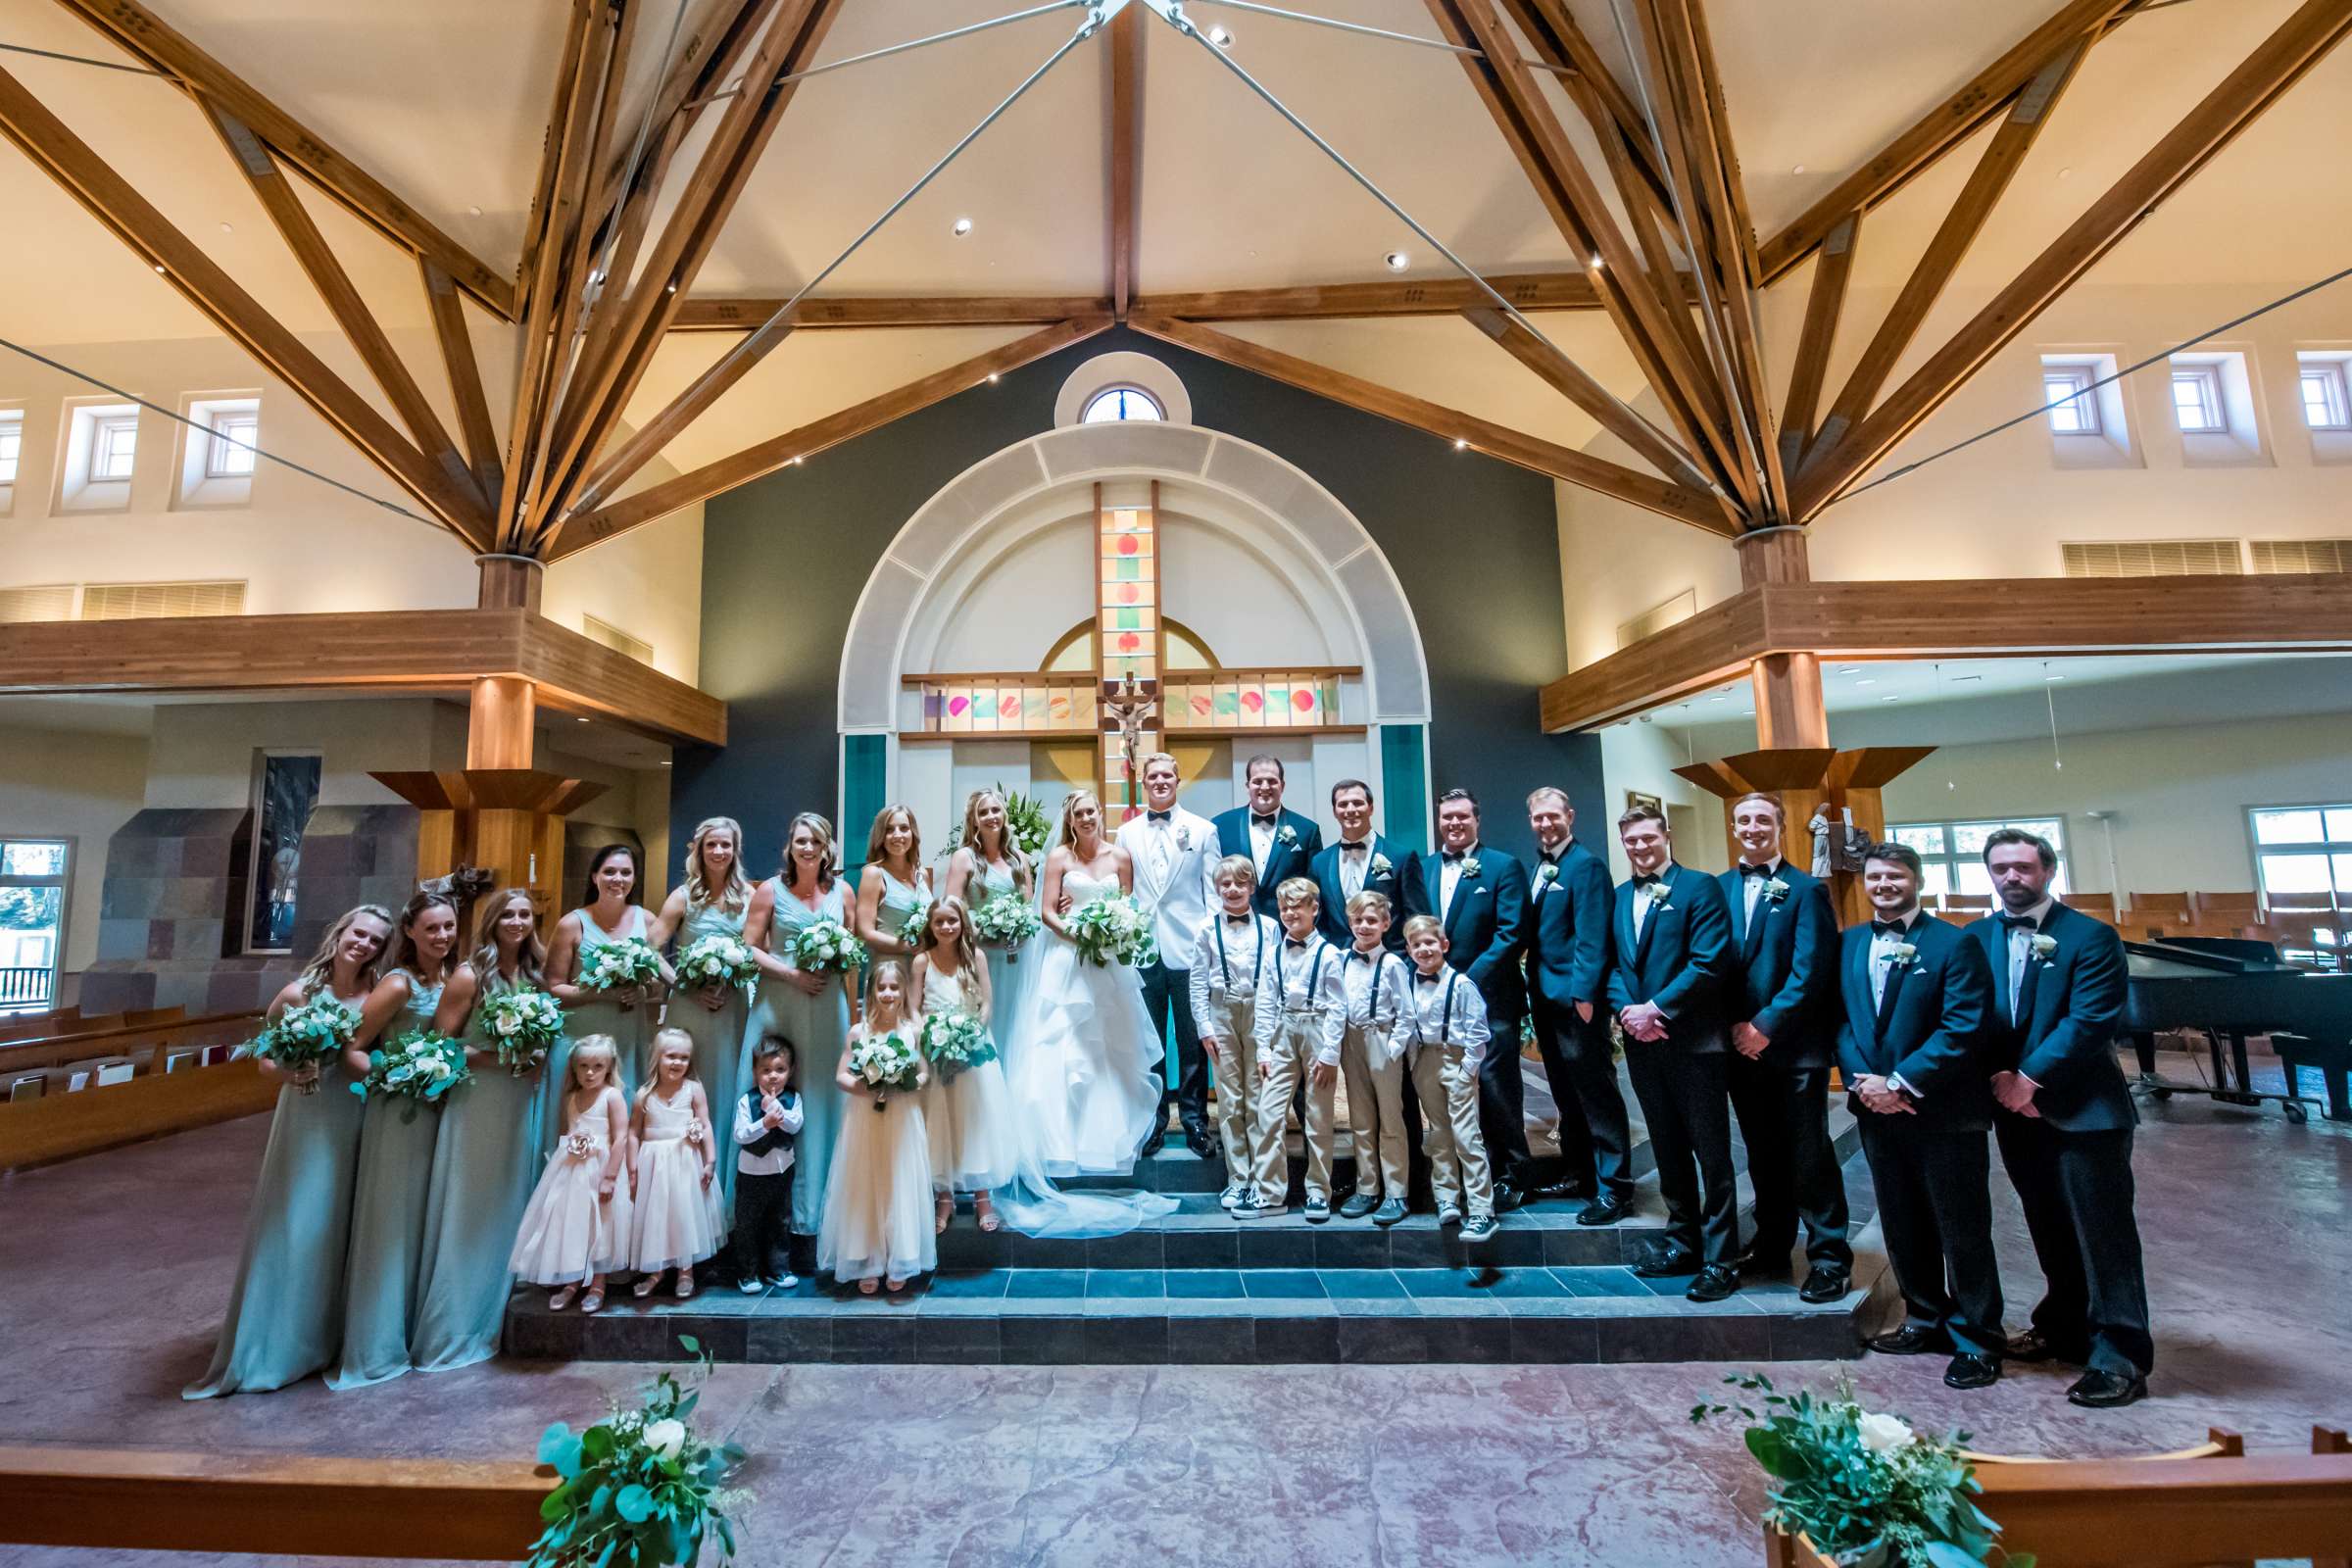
column 1083, row 1052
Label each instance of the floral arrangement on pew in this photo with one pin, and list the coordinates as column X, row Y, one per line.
column 955, row 1042
column 307, row 1035
column 619, row 966
column 421, row 1067
column 827, row 946
column 640, row 1489
column 1006, row 921
column 526, row 1024
column 1866, row 1489
column 715, row 962
column 1113, row 931
column 884, row 1063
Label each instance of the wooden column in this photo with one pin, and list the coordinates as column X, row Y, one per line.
column 1787, row 686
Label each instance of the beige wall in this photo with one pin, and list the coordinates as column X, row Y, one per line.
column 1644, row 756
column 75, row 785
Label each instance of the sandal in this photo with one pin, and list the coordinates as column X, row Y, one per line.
column 560, row 1299
column 896, row 1286
column 645, row 1285
column 685, row 1283
column 593, row 1301
column 867, row 1286
column 947, row 1213
column 985, row 1213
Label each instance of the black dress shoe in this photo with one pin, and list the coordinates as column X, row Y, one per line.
column 1912, row 1339
column 2034, row 1347
column 1666, row 1262
column 1715, row 1283
column 2106, row 1390
column 1824, row 1284
column 1972, row 1371
column 1606, row 1209
column 1158, row 1141
column 1568, row 1188
column 1763, row 1263
column 1202, row 1142
column 1507, row 1198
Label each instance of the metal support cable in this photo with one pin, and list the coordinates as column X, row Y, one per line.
column 897, row 49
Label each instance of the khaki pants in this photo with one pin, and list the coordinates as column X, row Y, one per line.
column 1227, row 1031
column 1457, row 1150
column 1375, row 1115
column 1285, row 1063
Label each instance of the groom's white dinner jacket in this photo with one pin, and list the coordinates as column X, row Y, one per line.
column 1175, row 866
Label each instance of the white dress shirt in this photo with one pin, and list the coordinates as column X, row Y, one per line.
column 750, row 1124
column 1261, row 839
column 1356, row 863
column 1545, row 856
column 1641, row 896
column 1444, row 1010
column 1301, row 982
column 1882, row 956
column 1450, row 877
column 1227, row 958
column 1373, row 986
column 1751, row 888
column 2021, row 951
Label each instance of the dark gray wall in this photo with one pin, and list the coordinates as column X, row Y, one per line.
column 1474, row 541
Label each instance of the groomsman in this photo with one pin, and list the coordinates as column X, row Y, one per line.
column 1783, row 1003
column 1281, row 842
column 1479, row 896
column 2065, row 1122
column 1360, row 861
column 1673, row 939
column 1568, row 979
column 1913, row 1054
column 1175, row 861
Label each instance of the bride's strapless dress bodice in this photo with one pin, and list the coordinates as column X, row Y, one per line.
column 1084, row 889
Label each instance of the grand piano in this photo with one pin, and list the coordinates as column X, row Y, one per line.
column 2231, row 988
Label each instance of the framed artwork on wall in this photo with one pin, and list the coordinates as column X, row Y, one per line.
column 285, row 792
column 1634, row 798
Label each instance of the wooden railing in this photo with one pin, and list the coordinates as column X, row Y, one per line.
column 126, row 1500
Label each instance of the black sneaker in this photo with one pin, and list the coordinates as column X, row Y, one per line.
column 1448, row 1216
column 1360, row 1203
column 1478, row 1227
column 1389, row 1212
column 1318, row 1209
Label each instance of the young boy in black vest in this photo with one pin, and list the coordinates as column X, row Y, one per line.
column 767, row 1118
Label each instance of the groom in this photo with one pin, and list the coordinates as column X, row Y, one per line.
column 1175, row 855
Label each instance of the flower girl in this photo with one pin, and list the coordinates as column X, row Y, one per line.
column 674, row 1220
column 877, row 1222
column 577, row 1226
column 967, row 1108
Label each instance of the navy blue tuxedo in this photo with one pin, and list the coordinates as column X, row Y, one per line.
column 1332, row 921
column 2071, row 1164
column 1570, row 903
column 1784, row 982
column 1679, row 961
column 1931, row 1168
column 1289, row 857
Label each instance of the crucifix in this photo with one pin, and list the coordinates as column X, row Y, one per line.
column 1128, row 650
column 1126, row 705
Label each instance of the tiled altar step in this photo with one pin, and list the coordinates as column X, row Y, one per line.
column 1209, row 1316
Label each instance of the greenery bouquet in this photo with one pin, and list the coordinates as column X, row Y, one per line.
column 827, row 946
column 955, row 1042
column 525, row 1025
column 421, row 1067
column 715, row 963
column 619, row 967
column 1111, row 931
column 309, row 1034
column 1006, row 921
column 883, row 1062
column 640, row 1489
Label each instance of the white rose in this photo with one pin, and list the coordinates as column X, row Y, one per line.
column 666, row 1436
column 508, row 1024
column 1885, row 1433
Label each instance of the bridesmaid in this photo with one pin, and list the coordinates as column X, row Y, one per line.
column 488, row 1154
column 285, row 1312
column 808, row 1007
column 986, row 865
column 396, row 1155
column 713, row 902
column 894, row 884
column 608, row 914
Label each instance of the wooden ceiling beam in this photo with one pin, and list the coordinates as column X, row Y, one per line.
column 1559, row 42
column 143, row 35
column 713, row 478
column 1432, row 296
column 2027, row 113
column 2307, row 35
column 1832, row 270
column 712, row 313
column 447, row 311
column 1124, row 104
column 1680, row 502
column 1943, row 129
column 109, row 197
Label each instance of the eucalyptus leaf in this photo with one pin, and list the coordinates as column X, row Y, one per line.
column 551, row 1440
column 634, row 1503
column 1944, row 1555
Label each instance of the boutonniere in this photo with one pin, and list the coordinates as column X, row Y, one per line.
column 1658, row 893
column 1548, row 873
column 1381, row 865
column 2044, row 946
column 1774, row 890
column 1900, row 956
column 1470, row 866
column 1184, row 839
column 1287, row 833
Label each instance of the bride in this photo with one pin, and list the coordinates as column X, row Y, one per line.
column 1084, row 1046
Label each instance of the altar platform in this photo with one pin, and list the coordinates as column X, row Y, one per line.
column 1198, row 1288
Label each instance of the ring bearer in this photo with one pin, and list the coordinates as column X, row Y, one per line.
column 1301, row 1012
column 1234, row 944
column 1445, row 1030
column 1372, row 1060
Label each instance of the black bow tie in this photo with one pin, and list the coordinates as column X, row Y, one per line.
column 1746, row 870
column 1646, row 881
column 1453, row 856
column 1888, row 928
column 1353, row 849
column 1427, row 979
column 1158, row 816
column 1295, row 943
column 1354, row 954
column 2013, row 921
column 1264, row 821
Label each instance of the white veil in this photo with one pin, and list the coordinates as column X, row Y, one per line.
column 1032, row 1203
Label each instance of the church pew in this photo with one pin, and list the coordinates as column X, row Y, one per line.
column 57, row 1049
column 279, row 1506
column 59, row 1125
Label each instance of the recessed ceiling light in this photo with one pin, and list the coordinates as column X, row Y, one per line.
column 664, row 762
column 1594, row 263
column 1398, row 261
column 159, row 267
column 1221, row 36
column 992, row 379
column 963, row 227
column 1798, row 169
column 227, row 229
column 1460, row 445
column 2063, row 172
column 473, row 211
column 796, row 463
column 584, row 718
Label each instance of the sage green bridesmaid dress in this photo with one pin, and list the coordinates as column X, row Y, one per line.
column 388, row 1219
column 718, row 1060
column 631, row 1028
column 485, row 1164
column 818, row 1028
column 285, row 1312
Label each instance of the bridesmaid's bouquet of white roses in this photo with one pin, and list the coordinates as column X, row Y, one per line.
column 525, row 1025
column 421, row 1067
column 827, row 946
column 1111, row 931
column 619, row 967
column 309, row 1034
column 884, row 1063
column 1006, row 921
column 955, row 1042
column 916, row 929
column 715, row 962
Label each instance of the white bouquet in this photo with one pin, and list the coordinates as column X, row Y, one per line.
column 916, row 929
column 308, row 1034
column 717, row 961
column 619, row 967
column 827, row 946
column 524, row 1024
column 955, row 1041
column 421, row 1067
column 1006, row 921
column 1113, row 930
column 885, row 1061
